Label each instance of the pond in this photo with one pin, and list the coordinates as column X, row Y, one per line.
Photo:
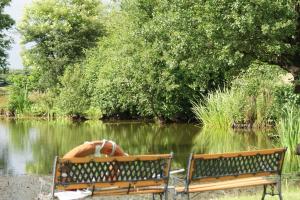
column 29, row 146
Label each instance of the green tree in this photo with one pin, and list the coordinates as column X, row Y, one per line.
column 74, row 98
column 56, row 34
column 18, row 98
column 5, row 23
column 239, row 32
column 140, row 72
column 156, row 55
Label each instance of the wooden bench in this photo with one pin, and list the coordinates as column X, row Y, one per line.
column 143, row 174
column 209, row 172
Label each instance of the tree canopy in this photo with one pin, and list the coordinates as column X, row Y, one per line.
column 154, row 57
column 6, row 22
column 161, row 55
column 56, row 34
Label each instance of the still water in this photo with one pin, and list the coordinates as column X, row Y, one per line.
column 29, row 146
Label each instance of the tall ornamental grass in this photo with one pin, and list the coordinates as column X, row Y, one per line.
column 251, row 100
column 219, row 110
column 288, row 127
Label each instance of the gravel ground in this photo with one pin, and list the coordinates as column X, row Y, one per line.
column 22, row 187
column 39, row 187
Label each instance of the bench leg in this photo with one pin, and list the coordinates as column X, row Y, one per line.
column 279, row 190
column 272, row 193
column 264, row 193
column 166, row 195
column 160, row 196
column 280, row 196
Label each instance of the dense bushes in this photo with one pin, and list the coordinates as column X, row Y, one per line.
column 18, row 99
column 151, row 59
column 158, row 57
column 73, row 98
column 256, row 98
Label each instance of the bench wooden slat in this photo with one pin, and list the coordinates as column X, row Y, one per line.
column 232, row 182
column 131, row 192
column 246, row 182
column 260, row 174
column 113, row 184
column 117, row 158
column 242, row 153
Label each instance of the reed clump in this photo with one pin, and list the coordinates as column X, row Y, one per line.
column 253, row 100
column 288, row 128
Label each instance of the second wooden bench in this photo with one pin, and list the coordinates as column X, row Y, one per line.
column 209, row 172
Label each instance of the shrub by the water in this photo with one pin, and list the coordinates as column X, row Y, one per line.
column 18, row 101
column 220, row 109
column 252, row 100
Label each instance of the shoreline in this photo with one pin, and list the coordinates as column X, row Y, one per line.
column 27, row 187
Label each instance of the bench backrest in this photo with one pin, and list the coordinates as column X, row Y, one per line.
column 129, row 171
column 213, row 167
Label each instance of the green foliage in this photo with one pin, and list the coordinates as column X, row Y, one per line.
column 56, row 33
column 258, row 85
column 220, row 110
column 285, row 95
column 6, row 22
column 18, row 99
column 252, row 99
column 288, row 128
column 73, row 98
column 158, row 56
column 142, row 73
column 43, row 104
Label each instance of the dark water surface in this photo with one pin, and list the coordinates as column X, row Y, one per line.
column 29, row 146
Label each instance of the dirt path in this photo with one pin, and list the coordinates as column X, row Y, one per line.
column 39, row 187
column 20, row 187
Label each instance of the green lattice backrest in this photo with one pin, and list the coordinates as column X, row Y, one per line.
column 235, row 165
column 108, row 171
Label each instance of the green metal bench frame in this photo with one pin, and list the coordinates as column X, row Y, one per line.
column 126, row 175
column 252, row 167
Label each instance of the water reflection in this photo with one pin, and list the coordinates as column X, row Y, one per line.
column 30, row 146
column 219, row 141
column 39, row 141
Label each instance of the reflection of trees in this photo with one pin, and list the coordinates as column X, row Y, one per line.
column 220, row 141
column 3, row 160
column 19, row 133
column 48, row 139
column 56, row 138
